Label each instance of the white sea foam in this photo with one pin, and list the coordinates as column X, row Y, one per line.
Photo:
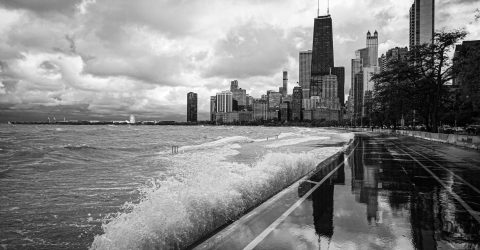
column 217, row 143
column 295, row 141
column 203, row 192
column 284, row 135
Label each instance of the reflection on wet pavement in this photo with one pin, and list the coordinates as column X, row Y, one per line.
column 384, row 196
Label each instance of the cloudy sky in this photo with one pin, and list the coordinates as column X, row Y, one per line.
column 106, row 59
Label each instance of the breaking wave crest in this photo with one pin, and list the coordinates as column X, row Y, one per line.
column 204, row 193
column 217, row 143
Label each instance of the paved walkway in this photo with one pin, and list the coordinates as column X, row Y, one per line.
column 386, row 193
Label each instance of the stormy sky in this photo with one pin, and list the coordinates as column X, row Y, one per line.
column 107, row 59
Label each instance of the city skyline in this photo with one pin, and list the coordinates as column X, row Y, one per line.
column 67, row 70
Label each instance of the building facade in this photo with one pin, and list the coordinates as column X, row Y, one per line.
column 372, row 46
column 285, row 111
column 274, row 99
column 323, row 57
column 305, row 71
column 213, row 107
column 297, row 98
column 364, row 66
column 422, row 22
column 224, row 102
column 260, row 110
column 285, row 84
column 192, row 107
column 339, row 72
column 322, row 51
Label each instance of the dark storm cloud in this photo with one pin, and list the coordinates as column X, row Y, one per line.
column 42, row 6
column 250, row 50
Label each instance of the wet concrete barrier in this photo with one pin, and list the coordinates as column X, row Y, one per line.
column 468, row 141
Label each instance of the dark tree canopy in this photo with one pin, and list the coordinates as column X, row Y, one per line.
column 417, row 88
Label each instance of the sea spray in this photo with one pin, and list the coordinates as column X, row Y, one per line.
column 204, row 192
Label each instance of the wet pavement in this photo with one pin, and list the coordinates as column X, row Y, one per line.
column 385, row 193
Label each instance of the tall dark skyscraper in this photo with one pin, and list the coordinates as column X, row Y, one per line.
column 322, row 51
column 422, row 22
column 340, row 73
column 192, row 107
column 323, row 56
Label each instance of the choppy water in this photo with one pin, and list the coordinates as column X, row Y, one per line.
column 102, row 187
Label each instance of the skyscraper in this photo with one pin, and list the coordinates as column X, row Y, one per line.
column 213, row 107
column 422, row 22
column 233, row 85
column 340, row 73
column 305, row 69
column 239, row 96
column 297, row 103
column 364, row 66
column 192, row 107
column 285, row 83
column 274, row 99
column 224, row 102
column 322, row 51
column 323, row 56
column 260, row 109
column 372, row 45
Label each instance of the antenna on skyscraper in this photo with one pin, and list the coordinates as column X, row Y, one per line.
column 318, row 9
column 328, row 7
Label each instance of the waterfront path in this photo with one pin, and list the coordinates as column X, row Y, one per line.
column 385, row 193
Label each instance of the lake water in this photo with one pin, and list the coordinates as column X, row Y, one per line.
column 120, row 187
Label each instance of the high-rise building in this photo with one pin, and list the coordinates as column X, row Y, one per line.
column 192, row 107
column 469, row 87
column 249, row 102
column 358, row 95
column 239, row 96
column 422, row 22
column 363, row 56
column 364, row 66
column 372, row 45
column 233, row 85
column 396, row 54
column 285, row 111
column 240, row 99
column 274, row 99
column 323, row 57
column 224, row 102
column 260, row 110
column 382, row 63
column 285, row 84
column 356, row 67
column 368, row 73
column 322, row 51
column 340, row 73
column 297, row 97
column 213, row 107
column 305, row 70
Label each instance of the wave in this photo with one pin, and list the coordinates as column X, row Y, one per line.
column 218, row 143
column 203, row 194
column 295, row 141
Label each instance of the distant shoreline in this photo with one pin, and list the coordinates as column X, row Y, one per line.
column 273, row 123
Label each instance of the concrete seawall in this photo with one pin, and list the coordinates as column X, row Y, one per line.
column 467, row 141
